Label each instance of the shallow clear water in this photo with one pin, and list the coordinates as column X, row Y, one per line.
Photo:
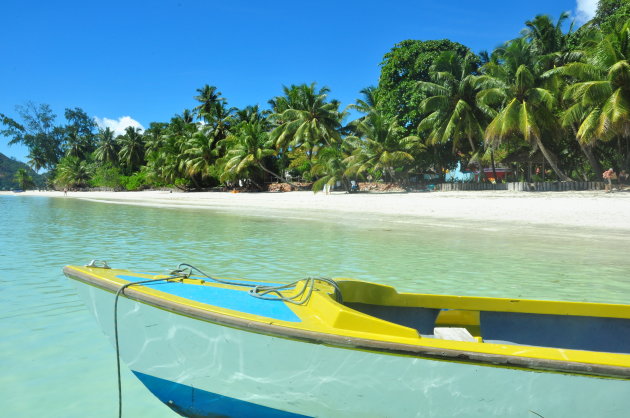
column 56, row 362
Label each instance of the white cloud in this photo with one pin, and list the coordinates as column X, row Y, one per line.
column 118, row 126
column 585, row 10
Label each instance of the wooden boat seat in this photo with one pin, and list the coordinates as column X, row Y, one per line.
column 453, row 334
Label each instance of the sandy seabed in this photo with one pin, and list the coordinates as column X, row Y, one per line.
column 588, row 209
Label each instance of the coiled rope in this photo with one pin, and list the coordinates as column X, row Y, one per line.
column 265, row 291
column 272, row 293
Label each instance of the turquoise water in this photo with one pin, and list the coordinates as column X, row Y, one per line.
column 56, row 362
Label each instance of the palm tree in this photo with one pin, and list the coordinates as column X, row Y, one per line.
column 165, row 159
column 198, row 154
column 547, row 41
column 601, row 97
column 76, row 145
column 131, row 148
column 107, row 149
column 330, row 168
column 252, row 114
column 525, row 110
column 208, row 97
column 220, row 120
column 382, row 146
column 187, row 116
column 37, row 158
column 23, row 179
column 72, row 172
column 248, row 148
column 306, row 119
column 453, row 112
column 369, row 102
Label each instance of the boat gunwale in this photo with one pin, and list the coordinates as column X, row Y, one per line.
column 396, row 348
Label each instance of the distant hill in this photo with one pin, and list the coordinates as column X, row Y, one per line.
column 8, row 168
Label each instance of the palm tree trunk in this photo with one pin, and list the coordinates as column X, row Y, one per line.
column 552, row 161
column 494, row 168
column 266, row 170
column 482, row 174
column 192, row 177
column 258, row 186
column 588, row 152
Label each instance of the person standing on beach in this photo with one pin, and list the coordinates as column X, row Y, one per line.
column 608, row 176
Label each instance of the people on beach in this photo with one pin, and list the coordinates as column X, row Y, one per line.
column 608, row 176
column 65, row 191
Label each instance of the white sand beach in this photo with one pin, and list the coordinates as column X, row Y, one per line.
column 589, row 209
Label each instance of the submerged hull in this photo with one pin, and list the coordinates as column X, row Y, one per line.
column 209, row 368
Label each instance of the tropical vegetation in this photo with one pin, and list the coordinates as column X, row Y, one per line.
column 553, row 101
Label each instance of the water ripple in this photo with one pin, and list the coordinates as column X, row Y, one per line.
column 52, row 346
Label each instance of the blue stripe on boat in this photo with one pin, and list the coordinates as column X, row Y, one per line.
column 236, row 300
column 561, row 331
column 193, row 402
column 421, row 319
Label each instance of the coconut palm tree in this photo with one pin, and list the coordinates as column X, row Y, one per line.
column 208, row 97
column 132, row 151
column 198, row 154
column 248, row 148
column 220, row 120
column 601, row 96
column 107, row 149
column 23, row 179
column 252, row 114
column 306, row 119
column 165, row 160
column 37, row 158
column 368, row 103
column 453, row 112
column 525, row 110
column 72, row 172
column 330, row 167
column 381, row 146
column 75, row 144
column 547, row 40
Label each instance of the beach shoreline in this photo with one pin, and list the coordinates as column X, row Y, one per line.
column 581, row 209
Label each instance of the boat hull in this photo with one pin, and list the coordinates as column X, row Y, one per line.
column 204, row 368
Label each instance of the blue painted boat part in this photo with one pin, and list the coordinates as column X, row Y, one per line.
column 421, row 319
column 192, row 402
column 236, row 300
column 563, row 331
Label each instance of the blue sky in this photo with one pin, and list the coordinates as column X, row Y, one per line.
column 141, row 62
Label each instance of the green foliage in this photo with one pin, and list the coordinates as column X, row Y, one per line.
column 381, row 146
column 134, row 182
column 106, row 176
column 107, row 147
column 37, row 131
column 132, row 149
column 23, row 179
column 8, row 169
column 453, row 113
column 79, row 137
column 300, row 164
column 305, row 118
column 611, row 11
column 407, row 63
column 72, row 172
column 330, row 168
